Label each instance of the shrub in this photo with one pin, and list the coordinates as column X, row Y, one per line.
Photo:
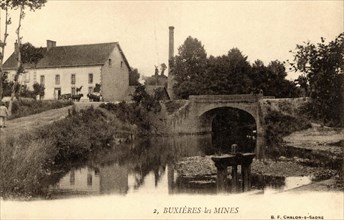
column 278, row 125
column 43, row 156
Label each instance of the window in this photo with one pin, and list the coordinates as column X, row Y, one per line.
column 73, row 79
column 110, row 62
column 34, row 77
column 89, row 179
column 72, row 177
column 57, row 79
column 27, row 77
column 73, row 91
column 121, row 64
column 90, row 78
column 42, row 80
column 90, row 90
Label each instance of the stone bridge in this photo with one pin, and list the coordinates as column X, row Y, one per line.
column 197, row 114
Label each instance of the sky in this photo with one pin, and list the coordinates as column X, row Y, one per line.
column 265, row 30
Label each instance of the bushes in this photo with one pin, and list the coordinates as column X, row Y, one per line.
column 278, row 125
column 130, row 113
column 32, row 162
column 173, row 106
column 22, row 107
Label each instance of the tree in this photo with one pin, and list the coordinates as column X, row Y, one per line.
column 21, row 5
column 146, row 101
column 38, row 89
column 4, row 5
column 195, row 74
column 323, row 66
column 271, row 80
column 6, row 85
column 134, row 77
column 303, row 83
column 31, row 54
column 228, row 74
column 189, row 67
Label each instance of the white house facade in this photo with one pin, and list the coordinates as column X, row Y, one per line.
column 77, row 69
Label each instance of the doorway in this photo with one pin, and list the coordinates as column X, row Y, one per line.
column 57, row 93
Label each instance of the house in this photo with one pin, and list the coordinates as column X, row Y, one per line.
column 63, row 69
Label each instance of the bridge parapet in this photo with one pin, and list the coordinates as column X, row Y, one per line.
column 226, row 98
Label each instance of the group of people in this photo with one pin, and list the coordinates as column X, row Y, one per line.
column 3, row 114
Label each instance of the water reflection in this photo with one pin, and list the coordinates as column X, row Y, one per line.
column 147, row 166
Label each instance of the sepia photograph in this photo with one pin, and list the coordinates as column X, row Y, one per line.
column 115, row 109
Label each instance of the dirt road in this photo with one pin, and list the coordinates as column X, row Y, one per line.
column 21, row 125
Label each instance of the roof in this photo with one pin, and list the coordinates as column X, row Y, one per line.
column 71, row 56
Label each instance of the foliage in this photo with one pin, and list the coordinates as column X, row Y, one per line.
column 227, row 74
column 31, row 4
column 271, row 80
column 173, row 106
column 45, row 155
column 195, row 74
column 134, row 77
column 6, row 85
column 277, row 125
column 146, row 101
column 30, row 54
column 323, row 67
column 38, row 89
column 189, row 68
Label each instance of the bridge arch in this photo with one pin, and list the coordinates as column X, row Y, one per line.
column 230, row 125
column 196, row 116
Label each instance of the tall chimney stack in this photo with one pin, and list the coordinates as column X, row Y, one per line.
column 170, row 81
column 171, row 43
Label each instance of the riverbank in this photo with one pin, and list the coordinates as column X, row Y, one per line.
column 203, row 167
column 31, row 161
column 316, row 152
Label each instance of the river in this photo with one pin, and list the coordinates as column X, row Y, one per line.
column 147, row 166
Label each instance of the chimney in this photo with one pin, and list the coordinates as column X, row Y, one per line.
column 171, row 43
column 170, row 81
column 50, row 44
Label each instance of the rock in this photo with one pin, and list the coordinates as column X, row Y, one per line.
column 282, row 158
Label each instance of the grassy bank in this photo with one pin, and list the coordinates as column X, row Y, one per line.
column 41, row 157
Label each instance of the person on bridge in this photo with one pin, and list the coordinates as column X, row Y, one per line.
column 3, row 115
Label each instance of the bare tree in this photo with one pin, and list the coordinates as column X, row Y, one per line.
column 3, row 6
column 21, row 5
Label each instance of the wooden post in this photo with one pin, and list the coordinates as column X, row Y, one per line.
column 235, row 181
column 170, row 178
column 221, row 163
column 221, row 178
column 245, row 177
column 247, row 159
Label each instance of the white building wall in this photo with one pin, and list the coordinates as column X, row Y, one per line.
column 81, row 79
column 115, row 77
column 85, row 180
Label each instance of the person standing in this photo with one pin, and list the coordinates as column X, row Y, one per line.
column 3, row 115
